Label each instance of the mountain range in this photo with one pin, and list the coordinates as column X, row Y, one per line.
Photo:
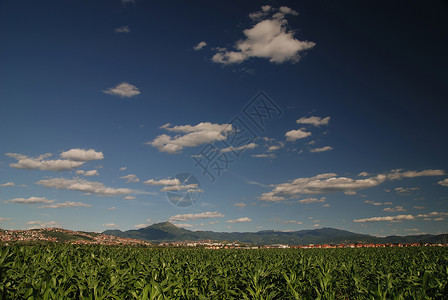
column 167, row 232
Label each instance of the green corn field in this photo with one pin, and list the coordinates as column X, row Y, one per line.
column 102, row 272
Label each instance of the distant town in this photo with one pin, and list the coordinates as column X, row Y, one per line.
column 56, row 235
column 59, row 235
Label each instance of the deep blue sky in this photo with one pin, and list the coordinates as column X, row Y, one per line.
column 360, row 143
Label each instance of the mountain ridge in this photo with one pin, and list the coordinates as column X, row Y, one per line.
column 168, row 232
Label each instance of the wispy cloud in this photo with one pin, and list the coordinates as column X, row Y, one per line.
column 240, row 204
column 241, row 148
column 398, row 174
column 66, row 204
column 189, row 217
column 200, row 45
column 122, row 29
column 83, row 186
column 131, row 178
column 312, row 200
column 291, row 222
column 2, row 219
column 394, row 209
column 123, row 90
column 112, row 225
column 269, row 38
column 400, row 218
column 323, row 149
column 240, row 220
column 41, row 224
column 30, row 200
column 7, row 184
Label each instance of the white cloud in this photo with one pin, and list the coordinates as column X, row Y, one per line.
column 323, row 149
column 38, row 163
column 269, row 39
column 240, row 220
column 87, row 173
column 4, row 219
column 66, row 204
column 377, row 203
column 432, row 214
column 83, row 186
column 419, row 207
column 113, row 225
column 112, row 208
column 200, row 45
column 71, row 159
column 169, row 181
column 193, row 136
column 273, row 148
column 395, row 209
column 363, row 174
column 123, row 168
column 322, row 183
column 30, row 200
column 129, row 198
column 40, row 224
column 123, row 90
column 240, row 204
column 270, row 155
column 443, row 182
column 189, row 187
column 131, row 178
column 402, row 190
column 291, row 222
column 189, row 217
column 398, row 218
column 7, row 184
column 82, row 155
column 122, row 29
column 312, row 200
column 296, row 134
column 91, row 173
column 397, row 174
column 236, row 149
column 316, row 121
column 271, row 197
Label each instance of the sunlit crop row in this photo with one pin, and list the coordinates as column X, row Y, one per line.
column 100, row 272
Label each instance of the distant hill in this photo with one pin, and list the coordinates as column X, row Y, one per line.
column 60, row 235
column 164, row 232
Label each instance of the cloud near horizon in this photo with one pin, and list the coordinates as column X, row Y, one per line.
column 190, row 217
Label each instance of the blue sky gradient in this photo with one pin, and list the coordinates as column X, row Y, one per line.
column 102, row 103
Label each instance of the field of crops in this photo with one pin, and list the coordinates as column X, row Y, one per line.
column 100, row 272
